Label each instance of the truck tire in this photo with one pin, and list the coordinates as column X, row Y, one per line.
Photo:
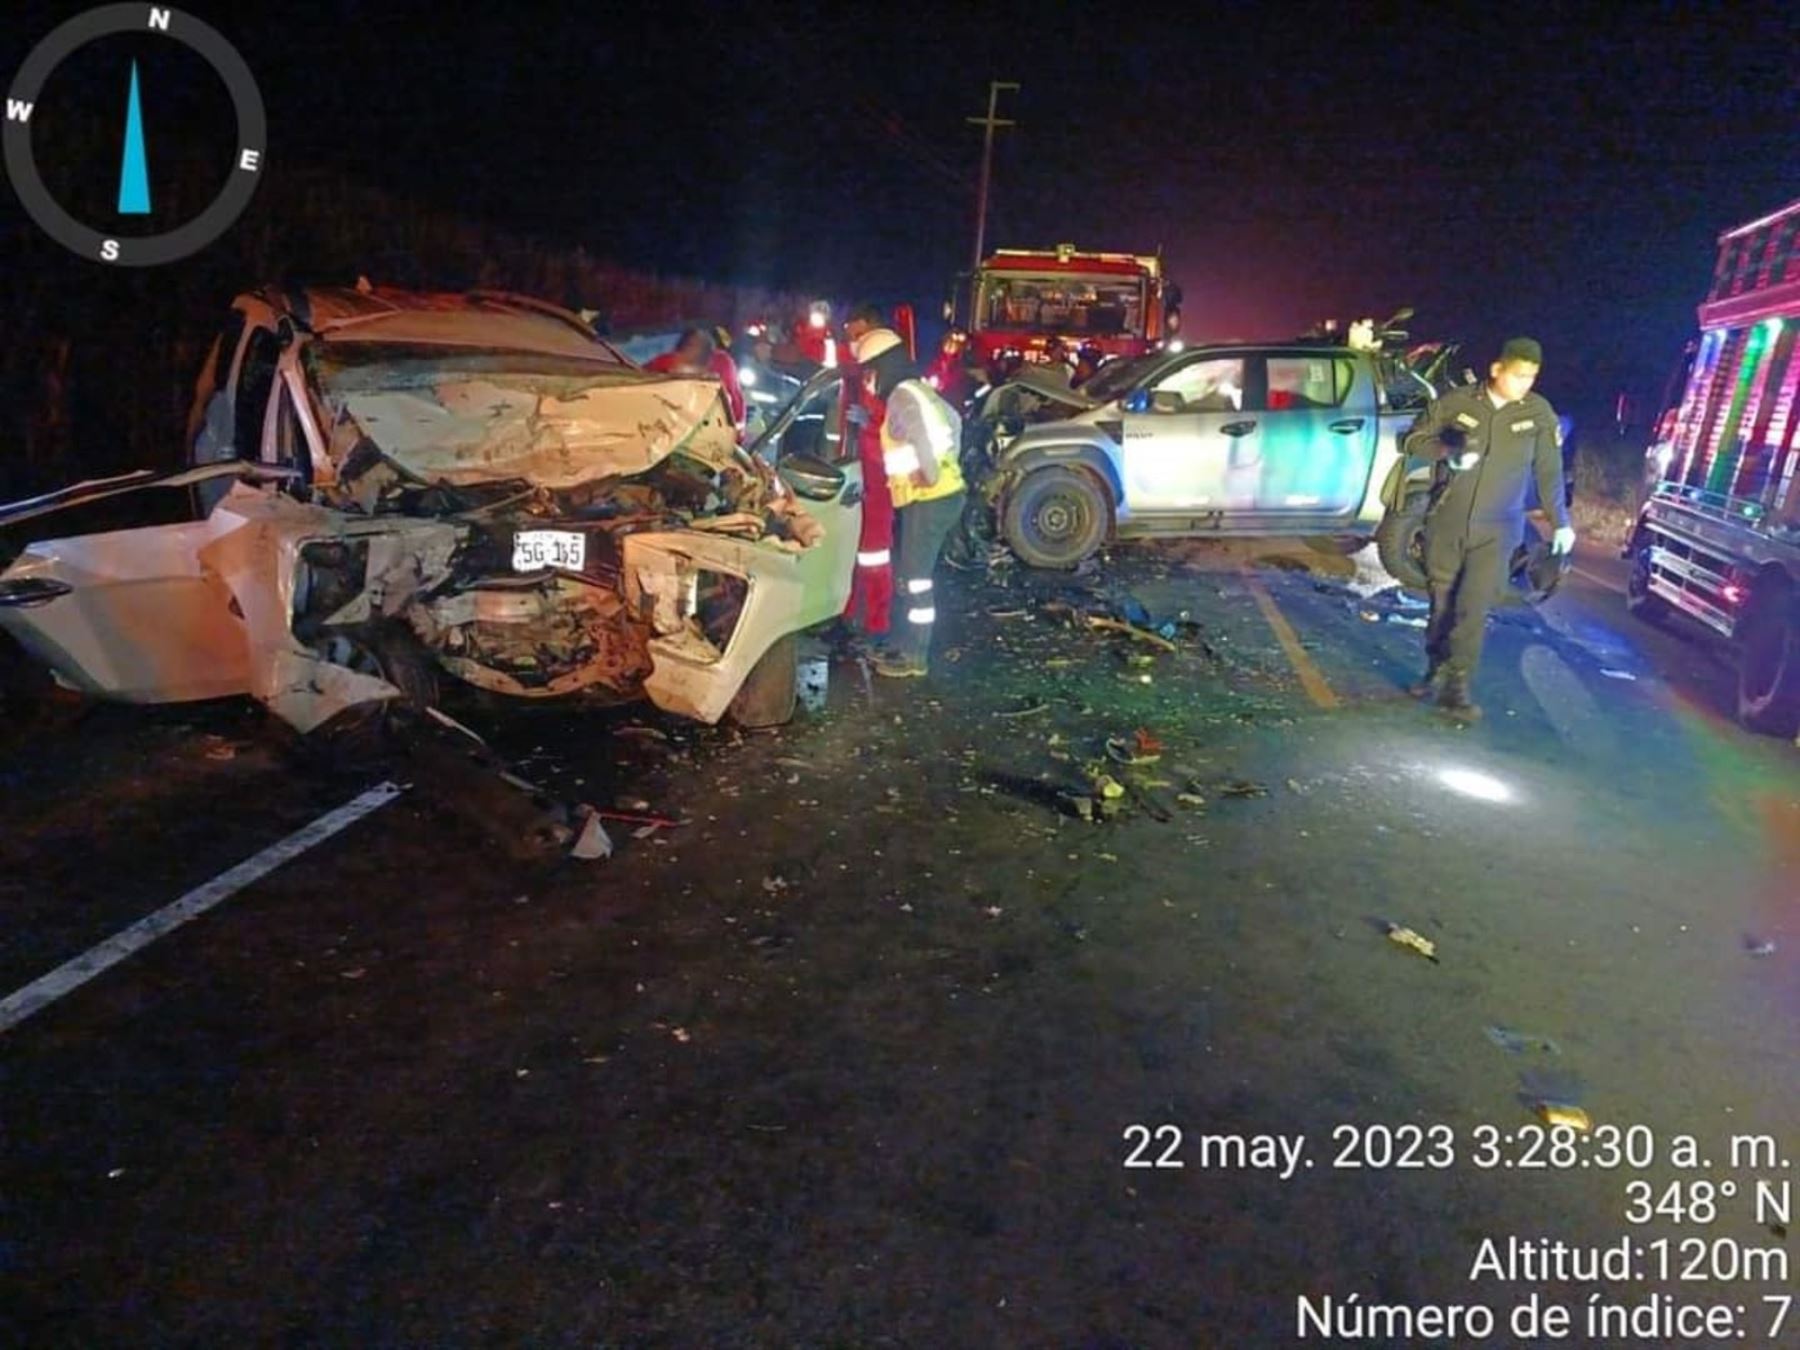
column 1400, row 542
column 1055, row 517
column 1769, row 664
column 1639, row 599
column 768, row 694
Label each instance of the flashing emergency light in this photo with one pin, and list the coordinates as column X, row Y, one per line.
column 819, row 315
column 1733, row 593
column 1177, row 345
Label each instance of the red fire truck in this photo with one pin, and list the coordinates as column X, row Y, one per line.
column 1042, row 305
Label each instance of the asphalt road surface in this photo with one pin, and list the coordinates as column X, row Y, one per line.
column 863, row 1050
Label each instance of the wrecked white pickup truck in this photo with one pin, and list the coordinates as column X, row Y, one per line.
column 392, row 487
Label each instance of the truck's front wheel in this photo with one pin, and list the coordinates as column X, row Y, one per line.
column 1055, row 517
column 1769, row 665
column 1400, row 541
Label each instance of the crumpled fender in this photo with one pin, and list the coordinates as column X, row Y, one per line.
column 258, row 563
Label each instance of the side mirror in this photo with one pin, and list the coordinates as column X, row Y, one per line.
column 1166, row 401
column 1137, row 401
column 811, row 477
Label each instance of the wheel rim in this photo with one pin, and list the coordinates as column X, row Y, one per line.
column 1060, row 518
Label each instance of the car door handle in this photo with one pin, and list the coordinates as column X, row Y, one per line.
column 1238, row 428
column 1345, row 425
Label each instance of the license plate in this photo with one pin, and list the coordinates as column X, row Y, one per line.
column 535, row 550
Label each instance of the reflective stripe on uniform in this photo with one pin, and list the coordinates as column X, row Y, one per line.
column 926, row 615
column 918, row 585
column 877, row 558
column 900, row 461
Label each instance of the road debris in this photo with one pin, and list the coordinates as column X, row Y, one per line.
column 592, row 841
column 1402, row 936
column 1755, row 946
column 813, row 675
column 1612, row 674
column 1118, row 626
column 1031, row 709
column 1519, row 1042
column 1562, row 1113
column 1243, row 787
column 640, row 733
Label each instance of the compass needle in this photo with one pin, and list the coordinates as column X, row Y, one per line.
column 134, row 168
column 235, row 145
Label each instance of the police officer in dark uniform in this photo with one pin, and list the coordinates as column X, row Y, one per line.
column 1490, row 441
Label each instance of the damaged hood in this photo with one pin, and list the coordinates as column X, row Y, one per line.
column 1039, row 380
column 466, row 419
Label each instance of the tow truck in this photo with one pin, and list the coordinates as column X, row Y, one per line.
column 1717, row 540
column 1034, row 306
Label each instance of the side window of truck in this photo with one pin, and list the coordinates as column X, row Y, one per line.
column 255, row 382
column 1297, row 383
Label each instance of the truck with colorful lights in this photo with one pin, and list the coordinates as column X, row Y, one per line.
column 1027, row 306
column 1718, row 538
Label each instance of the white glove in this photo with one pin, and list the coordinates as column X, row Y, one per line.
column 1468, row 459
column 1563, row 541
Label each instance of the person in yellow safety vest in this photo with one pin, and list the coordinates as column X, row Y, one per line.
column 921, row 438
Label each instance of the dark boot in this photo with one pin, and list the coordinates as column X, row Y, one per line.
column 1427, row 687
column 1454, row 699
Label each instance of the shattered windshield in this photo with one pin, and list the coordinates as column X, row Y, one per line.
column 345, row 368
column 1094, row 306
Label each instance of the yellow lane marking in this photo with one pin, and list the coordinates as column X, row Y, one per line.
column 1310, row 678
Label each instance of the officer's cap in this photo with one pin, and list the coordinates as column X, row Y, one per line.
column 1522, row 349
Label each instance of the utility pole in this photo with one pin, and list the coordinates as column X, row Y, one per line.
column 987, row 161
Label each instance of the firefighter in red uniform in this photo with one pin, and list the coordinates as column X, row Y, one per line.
column 872, row 584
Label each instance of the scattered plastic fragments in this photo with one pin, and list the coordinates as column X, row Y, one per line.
column 592, row 840
column 1403, row 936
column 1518, row 1042
column 1755, row 946
column 1612, row 674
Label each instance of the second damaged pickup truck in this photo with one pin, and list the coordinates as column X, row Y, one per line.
column 396, row 486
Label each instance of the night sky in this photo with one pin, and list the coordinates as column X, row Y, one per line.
column 1534, row 169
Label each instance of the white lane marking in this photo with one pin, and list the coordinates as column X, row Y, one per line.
column 41, row 992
